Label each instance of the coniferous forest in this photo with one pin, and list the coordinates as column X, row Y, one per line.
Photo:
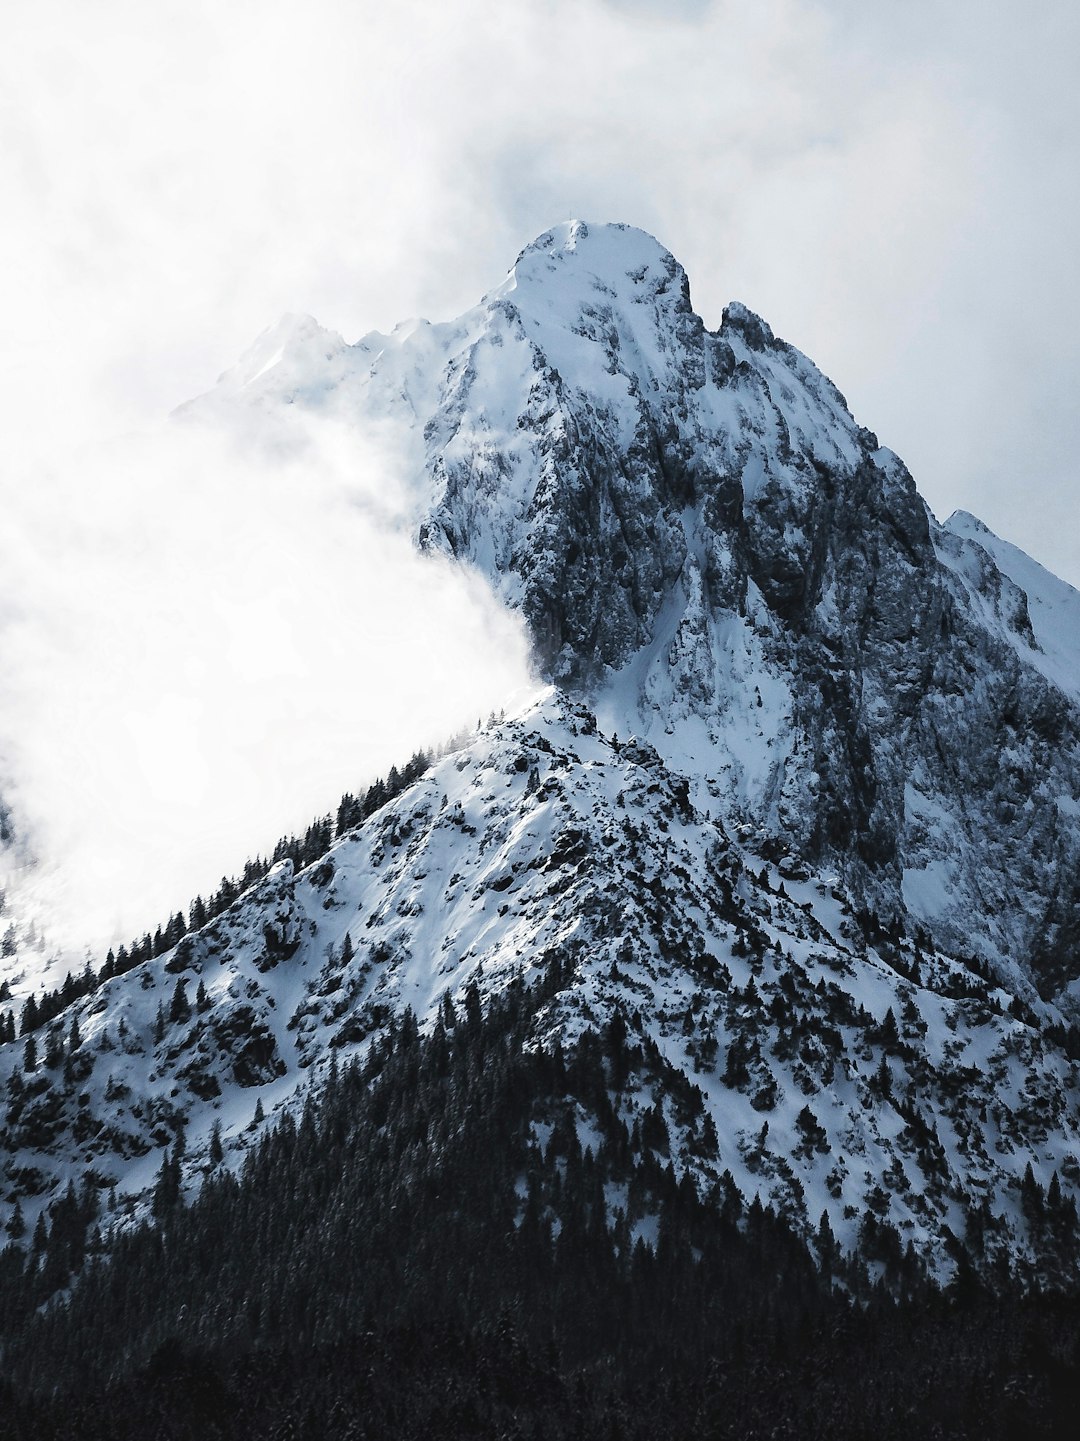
column 461, row 1237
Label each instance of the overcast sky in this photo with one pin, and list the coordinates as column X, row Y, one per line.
column 895, row 187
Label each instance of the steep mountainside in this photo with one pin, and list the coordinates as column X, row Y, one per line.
column 799, row 807
column 839, row 1066
column 712, row 553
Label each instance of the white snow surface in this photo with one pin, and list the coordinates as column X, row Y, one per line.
column 1053, row 606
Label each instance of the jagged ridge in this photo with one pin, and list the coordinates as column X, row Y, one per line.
column 711, row 552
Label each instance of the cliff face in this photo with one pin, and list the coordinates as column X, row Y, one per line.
column 707, row 545
column 710, row 551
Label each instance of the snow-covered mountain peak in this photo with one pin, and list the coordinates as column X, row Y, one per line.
column 601, row 308
column 1050, row 633
column 740, row 318
column 615, row 260
column 296, row 345
column 713, row 553
column 963, row 523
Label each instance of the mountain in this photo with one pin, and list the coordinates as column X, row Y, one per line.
column 691, row 521
column 796, row 808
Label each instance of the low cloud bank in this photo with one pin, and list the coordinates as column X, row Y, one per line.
column 203, row 642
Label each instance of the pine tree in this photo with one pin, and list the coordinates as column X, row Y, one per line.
column 175, row 931
column 736, row 1069
column 29, row 1020
column 54, row 1047
column 827, row 1248
column 167, row 1187
column 472, row 1007
column 180, row 1006
column 890, row 1033
column 654, row 1130
column 16, row 1226
column 883, row 1083
column 1032, row 1199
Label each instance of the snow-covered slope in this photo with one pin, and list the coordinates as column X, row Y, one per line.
column 1044, row 615
column 835, row 875
column 838, row 1075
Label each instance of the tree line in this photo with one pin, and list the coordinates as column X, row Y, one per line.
column 470, row 1234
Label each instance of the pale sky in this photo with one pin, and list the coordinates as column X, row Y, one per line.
column 894, row 187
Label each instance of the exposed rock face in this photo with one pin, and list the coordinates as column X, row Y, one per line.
column 711, row 551
column 694, row 495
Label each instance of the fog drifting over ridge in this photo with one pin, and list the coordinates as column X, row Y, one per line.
column 215, row 641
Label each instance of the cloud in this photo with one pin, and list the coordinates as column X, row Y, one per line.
column 216, row 640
